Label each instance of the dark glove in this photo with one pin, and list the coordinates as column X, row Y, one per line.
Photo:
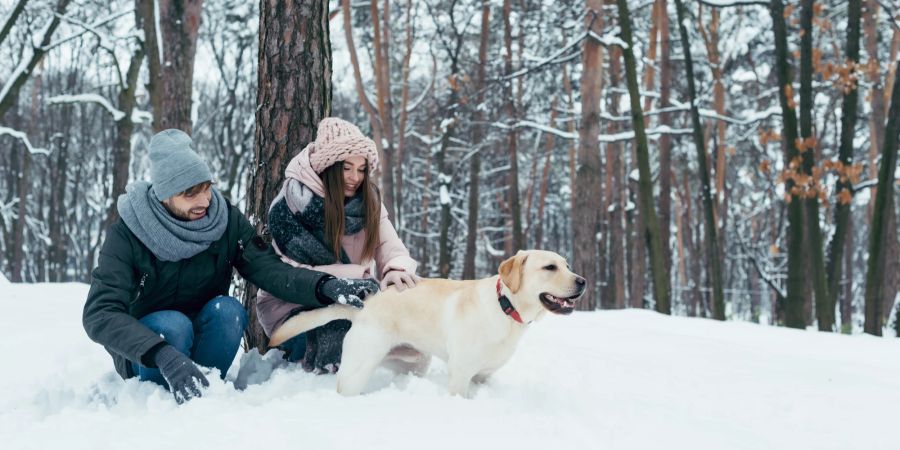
column 345, row 292
column 324, row 347
column 183, row 376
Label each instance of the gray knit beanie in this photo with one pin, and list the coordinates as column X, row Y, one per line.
column 174, row 165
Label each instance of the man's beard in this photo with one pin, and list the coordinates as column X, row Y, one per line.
column 180, row 214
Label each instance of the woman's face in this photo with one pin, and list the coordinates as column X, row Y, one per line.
column 355, row 168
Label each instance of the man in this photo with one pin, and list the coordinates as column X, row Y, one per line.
column 158, row 299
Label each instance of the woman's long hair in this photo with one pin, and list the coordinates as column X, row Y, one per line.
column 333, row 178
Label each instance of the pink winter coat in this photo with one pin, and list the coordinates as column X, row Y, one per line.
column 390, row 254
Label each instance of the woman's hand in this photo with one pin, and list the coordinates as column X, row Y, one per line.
column 401, row 279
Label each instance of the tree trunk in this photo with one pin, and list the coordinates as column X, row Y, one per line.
column 844, row 187
column 884, row 202
column 57, row 213
column 650, row 232
column 477, row 138
column 23, row 187
column 665, row 140
column 587, row 179
column 444, row 178
column 545, row 177
column 712, row 239
column 793, row 309
column 513, row 136
column 172, row 64
column 824, row 305
column 876, row 93
column 294, row 95
column 382, row 70
column 846, row 288
column 711, row 40
column 404, row 116
column 620, row 283
column 124, row 128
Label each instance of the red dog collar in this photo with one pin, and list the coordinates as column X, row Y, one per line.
column 506, row 306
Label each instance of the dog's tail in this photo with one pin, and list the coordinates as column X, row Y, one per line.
column 308, row 320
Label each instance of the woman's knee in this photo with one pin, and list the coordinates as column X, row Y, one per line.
column 173, row 326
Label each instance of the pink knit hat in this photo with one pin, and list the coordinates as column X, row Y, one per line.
column 337, row 140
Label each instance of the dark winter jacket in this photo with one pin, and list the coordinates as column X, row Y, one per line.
column 130, row 282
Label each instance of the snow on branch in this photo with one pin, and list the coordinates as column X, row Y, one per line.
column 748, row 119
column 629, row 135
column 624, row 136
column 538, row 126
column 24, row 138
column 609, row 39
column 11, row 80
column 728, row 3
column 87, row 98
column 427, row 140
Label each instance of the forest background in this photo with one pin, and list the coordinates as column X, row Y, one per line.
column 731, row 159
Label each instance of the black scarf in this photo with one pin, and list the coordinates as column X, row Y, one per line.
column 297, row 224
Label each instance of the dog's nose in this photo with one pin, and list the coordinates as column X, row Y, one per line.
column 580, row 281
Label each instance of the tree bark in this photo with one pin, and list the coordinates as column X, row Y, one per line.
column 124, row 128
column 587, row 179
column 381, row 29
column 477, row 138
column 884, row 203
column 824, row 306
column 545, row 177
column 665, row 140
column 712, row 239
column 444, row 178
column 793, row 309
column 844, row 186
column 404, row 116
column 876, row 93
column 661, row 289
column 513, row 135
column 294, row 95
column 170, row 52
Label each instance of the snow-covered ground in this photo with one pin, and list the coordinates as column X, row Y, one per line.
column 604, row 380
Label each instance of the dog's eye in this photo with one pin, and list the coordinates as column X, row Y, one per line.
column 550, row 267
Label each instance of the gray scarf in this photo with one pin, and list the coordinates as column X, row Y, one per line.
column 168, row 237
column 297, row 224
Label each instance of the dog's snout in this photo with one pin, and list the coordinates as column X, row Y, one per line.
column 580, row 282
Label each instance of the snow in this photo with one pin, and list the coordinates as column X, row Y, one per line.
column 158, row 32
column 20, row 135
column 88, row 98
column 587, row 381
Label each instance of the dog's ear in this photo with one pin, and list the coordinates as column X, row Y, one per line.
column 511, row 271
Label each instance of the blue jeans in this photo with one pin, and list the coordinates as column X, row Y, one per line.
column 211, row 339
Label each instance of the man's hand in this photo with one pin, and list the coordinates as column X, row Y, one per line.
column 400, row 279
column 184, row 378
column 347, row 292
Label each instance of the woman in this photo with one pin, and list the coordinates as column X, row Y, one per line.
column 329, row 217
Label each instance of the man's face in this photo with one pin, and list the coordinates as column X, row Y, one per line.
column 190, row 204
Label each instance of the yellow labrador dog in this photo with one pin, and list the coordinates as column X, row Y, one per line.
column 472, row 325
